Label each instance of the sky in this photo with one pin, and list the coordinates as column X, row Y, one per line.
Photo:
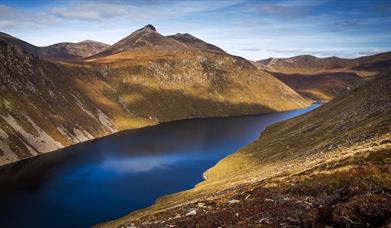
column 248, row 28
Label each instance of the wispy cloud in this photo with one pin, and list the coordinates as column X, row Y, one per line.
column 249, row 28
column 100, row 11
column 287, row 9
column 11, row 17
column 251, row 49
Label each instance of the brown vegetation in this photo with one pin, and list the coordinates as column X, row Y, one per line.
column 322, row 79
column 327, row 167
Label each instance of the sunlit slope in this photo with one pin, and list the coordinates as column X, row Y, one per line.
column 326, row 167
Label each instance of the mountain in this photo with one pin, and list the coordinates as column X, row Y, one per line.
column 50, row 103
column 324, row 78
column 329, row 167
column 67, row 50
column 6, row 39
column 144, row 38
column 59, row 51
column 194, row 42
column 368, row 65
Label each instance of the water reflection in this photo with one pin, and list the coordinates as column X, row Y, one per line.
column 110, row 177
column 137, row 165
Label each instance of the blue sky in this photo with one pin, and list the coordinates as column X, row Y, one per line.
column 252, row 29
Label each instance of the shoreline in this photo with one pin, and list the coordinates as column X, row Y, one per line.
column 146, row 126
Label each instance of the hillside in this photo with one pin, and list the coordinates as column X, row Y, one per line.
column 59, row 51
column 329, row 167
column 194, row 42
column 324, row 78
column 364, row 66
column 50, row 103
column 68, row 50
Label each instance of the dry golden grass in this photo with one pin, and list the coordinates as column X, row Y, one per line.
column 318, row 151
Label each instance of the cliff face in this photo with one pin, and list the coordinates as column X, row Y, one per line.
column 324, row 78
column 49, row 103
column 327, row 167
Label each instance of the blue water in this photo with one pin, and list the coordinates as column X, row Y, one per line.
column 107, row 178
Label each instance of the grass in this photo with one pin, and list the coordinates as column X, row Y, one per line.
column 331, row 165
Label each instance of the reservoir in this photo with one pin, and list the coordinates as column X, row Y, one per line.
column 107, row 178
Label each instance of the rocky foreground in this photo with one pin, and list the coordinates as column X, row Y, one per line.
column 329, row 167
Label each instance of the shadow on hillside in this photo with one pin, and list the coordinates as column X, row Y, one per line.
column 174, row 104
column 326, row 84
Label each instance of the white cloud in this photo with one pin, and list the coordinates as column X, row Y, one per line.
column 252, row 29
column 100, row 11
column 18, row 18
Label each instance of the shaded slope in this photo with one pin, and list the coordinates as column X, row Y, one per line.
column 42, row 110
column 6, row 39
column 326, row 167
column 322, row 86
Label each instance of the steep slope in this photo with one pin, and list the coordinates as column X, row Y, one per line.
column 10, row 40
column 47, row 104
column 67, row 50
column 42, row 110
column 324, row 78
column 326, row 167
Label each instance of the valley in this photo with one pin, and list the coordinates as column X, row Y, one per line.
column 161, row 130
column 50, row 102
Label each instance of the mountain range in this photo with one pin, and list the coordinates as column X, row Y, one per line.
column 322, row 79
column 67, row 93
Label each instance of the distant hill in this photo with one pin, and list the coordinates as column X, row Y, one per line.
column 324, row 78
column 307, row 63
column 59, row 51
column 67, row 50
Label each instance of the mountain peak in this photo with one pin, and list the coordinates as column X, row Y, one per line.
column 148, row 27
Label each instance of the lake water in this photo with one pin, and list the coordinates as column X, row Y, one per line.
column 107, row 178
